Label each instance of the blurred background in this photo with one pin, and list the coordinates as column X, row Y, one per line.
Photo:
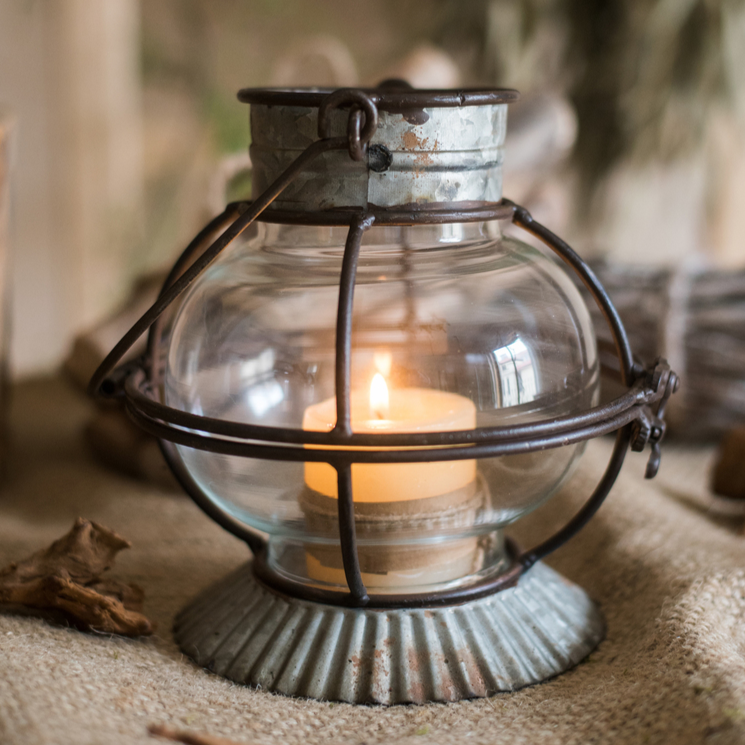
column 124, row 126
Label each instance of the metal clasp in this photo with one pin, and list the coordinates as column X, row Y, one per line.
column 650, row 427
column 358, row 134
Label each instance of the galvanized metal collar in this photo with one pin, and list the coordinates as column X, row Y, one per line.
column 407, row 147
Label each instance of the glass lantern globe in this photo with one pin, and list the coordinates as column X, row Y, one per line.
column 368, row 390
column 462, row 326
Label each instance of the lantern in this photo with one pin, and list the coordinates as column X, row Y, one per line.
column 368, row 390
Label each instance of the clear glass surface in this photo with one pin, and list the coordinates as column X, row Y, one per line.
column 454, row 309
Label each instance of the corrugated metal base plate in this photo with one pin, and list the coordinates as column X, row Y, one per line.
column 523, row 635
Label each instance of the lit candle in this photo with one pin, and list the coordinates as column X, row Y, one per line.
column 395, row 496
column 398, row 410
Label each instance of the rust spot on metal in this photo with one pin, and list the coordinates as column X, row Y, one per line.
column 411, row 141
column 448, row 689
column 355, row 661
column 419, row 146
column 416, row 687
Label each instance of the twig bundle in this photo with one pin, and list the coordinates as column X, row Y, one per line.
column 697, row 321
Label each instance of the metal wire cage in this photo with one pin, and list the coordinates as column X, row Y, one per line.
column 637, row 415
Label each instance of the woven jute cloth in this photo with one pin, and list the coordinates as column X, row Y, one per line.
column 669, row 579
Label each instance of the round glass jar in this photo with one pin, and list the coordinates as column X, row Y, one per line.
column 466, row 328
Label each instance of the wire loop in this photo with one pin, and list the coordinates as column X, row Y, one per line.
column 360, row 105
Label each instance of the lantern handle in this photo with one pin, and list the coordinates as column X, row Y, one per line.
column 239, row 215
column 649, row 428
column 246, row 215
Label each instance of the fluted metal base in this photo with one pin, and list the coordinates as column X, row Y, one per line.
column 526, row 634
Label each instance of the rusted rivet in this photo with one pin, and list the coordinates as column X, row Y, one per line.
column 379, row 158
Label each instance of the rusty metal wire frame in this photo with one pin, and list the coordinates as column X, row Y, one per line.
column 630, row 414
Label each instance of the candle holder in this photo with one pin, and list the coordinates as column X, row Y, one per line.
column 369, row 391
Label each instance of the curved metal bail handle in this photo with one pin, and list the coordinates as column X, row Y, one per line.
column 661, row 383
column 355, row 142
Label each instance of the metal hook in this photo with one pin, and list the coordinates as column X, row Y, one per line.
column 360, row 103
column 650, row 427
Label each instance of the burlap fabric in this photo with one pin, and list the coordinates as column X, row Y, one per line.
column 670, row 581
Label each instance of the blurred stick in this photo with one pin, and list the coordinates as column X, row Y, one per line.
column 188, row 738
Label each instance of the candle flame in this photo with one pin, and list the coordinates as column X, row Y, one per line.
column 379, row 405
